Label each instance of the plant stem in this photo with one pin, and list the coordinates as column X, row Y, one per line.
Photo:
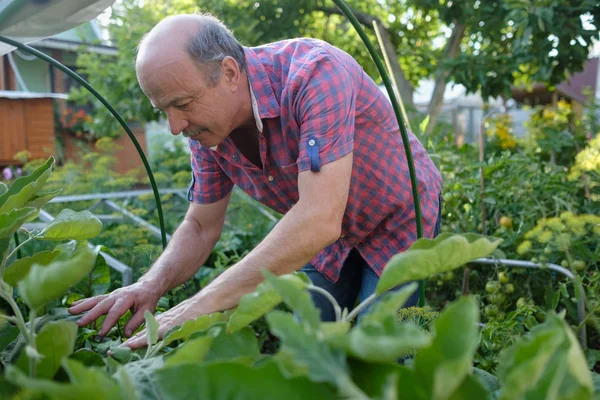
column 32, row 361
column 12, row 320
column 3, row 265
column 332, row 300
column 366, row 303
column 19, row 320
column 30, row 238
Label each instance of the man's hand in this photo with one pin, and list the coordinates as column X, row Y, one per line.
column 139, row 297
column 177, row 315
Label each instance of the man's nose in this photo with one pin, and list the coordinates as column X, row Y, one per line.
column 177, row 124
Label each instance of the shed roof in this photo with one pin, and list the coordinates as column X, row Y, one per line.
column 18, row 95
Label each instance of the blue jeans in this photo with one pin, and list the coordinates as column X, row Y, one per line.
column 357, row 281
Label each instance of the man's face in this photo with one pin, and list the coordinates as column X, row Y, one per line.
column 202, row 112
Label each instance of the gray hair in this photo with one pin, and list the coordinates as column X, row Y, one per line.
column 211, row 44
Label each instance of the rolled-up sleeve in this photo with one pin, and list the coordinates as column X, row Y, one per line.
column 325, row 106
column 209, row 183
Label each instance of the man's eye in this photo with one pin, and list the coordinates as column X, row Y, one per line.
column 183, row 106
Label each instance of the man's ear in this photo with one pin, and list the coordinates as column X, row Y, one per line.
column 231, row 72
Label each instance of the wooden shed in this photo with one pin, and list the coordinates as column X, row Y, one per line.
column 26, row 123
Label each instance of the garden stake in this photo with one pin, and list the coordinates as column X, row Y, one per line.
column 388, row 85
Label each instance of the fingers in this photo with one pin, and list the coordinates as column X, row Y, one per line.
column 116, row 311
column 135, row 321
column 99, row 309
column 137, row 341
column 85, row 304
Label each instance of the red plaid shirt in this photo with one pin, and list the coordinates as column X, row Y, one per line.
column 315, row 104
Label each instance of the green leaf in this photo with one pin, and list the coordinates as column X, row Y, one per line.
column 71, row 224
column 8, row 333
column 192, row 326
column 151, row 328
column 324, row 363
column 121, row 353
column 389, row 304
column 12, row 221
column 254, row 305
column 225, row 346
column 4, row 245
column 126, row 384
column 142, row 374
column 441, row 367
column 3, row 188
column 48, row 282
column 218, row 381
column 191, row 352
column 427, row 257
column 41, row 199
column 577, row 365
column 100, row 275
column 20, row 268
column 88, row 358
column 470, row 389
column 373, row 377
column 25, row 188
column 55, row 341
column 296, row 297
column 385, row 341
column 522, row 366
column 86, row 383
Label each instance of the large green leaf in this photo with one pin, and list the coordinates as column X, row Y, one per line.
column 225, row 346
column 142, row 375
column 296, row 297
column 470, row 388
column 4, row 245
column 41, row 199
column 254, row 305
column 20, row 268
column 547, row 364
column 69, row 224
column 386, row 341
column 325, row 364
column 225, row 381
column 126, row 384
column 55, row 341
column 427, row 257
column 372, row 378
column 48, row 282
column 25, row 188
column 191, row 352
column 190, row 327
column 3, row 188
column 388, row 305
column 86, row 383
column 11, row 222
column 88, row 358
column 441, row 367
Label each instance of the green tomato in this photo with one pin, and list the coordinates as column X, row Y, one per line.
column 502, row 277
column 498, row 298
column 540, row 316
column 534, row 259
column 547, row 250
column 509, row 288
column 491, row 310
column 522, row 302
column 564, row 263
column 579, row 265
column 492, row 286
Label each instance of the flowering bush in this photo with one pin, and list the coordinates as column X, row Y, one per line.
column 75, row 121
column 500, row 132
column 587, row 163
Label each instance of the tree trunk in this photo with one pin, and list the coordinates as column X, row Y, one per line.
column 437, row 98
column 404, row 87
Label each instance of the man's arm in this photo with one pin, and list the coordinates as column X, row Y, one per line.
column 187, row 250
column 310, row 226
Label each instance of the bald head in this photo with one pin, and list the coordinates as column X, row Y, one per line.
column 199, row 38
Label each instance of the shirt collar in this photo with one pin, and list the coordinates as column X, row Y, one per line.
column 261, row 89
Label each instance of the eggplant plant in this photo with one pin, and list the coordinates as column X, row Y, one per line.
column 216, row 356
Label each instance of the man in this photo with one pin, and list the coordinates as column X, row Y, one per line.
column 301, row 128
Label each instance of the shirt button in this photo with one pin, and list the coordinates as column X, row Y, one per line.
column 343, row 236
column 270, row 178
column 311, row 142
